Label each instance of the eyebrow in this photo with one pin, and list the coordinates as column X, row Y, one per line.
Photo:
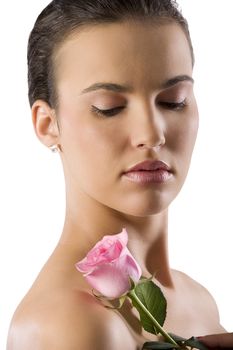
column 176, row 80
column 126, row 88
column 108, row 86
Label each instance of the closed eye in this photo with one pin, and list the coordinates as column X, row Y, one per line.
column 107, row 112
column 176, row 106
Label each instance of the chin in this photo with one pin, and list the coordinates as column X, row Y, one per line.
column 145, row 207
column 142, row 201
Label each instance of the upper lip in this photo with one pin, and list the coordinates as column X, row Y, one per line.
column 149, row 165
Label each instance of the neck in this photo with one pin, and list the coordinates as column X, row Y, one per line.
column 87, row 223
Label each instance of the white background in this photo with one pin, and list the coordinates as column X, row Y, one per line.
column 31, row 180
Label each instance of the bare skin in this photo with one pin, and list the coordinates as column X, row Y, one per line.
column 60, row 312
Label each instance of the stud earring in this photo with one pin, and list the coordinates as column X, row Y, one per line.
column 55, row 148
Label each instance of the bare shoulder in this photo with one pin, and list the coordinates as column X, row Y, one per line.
column 67, row 322
column 195, row 289
column 200, row 298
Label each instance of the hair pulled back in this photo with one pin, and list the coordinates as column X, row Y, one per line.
column 61, row 17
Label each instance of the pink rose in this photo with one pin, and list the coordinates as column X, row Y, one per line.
column 109, row 265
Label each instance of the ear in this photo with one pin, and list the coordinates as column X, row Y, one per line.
column 45, row 123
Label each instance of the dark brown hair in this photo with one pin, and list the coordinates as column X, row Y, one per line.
column 61, row 17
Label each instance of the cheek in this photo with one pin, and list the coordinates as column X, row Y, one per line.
column 97, row 141
column 91, row 146
column 182, row 135
column 181, row 143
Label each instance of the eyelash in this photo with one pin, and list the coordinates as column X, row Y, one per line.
column 107, row 112
column 175, row 106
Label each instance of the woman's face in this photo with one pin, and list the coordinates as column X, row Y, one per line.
column 153, row 113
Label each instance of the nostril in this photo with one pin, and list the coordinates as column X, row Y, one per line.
column 148, row 145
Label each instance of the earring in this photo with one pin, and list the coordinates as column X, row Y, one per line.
column 55, row 148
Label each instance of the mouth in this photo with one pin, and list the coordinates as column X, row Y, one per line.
column 149, row 165
column 149, row 171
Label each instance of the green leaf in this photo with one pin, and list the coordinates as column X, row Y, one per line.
column 145, row 279
column 121, row 301
column 191, row 342
column 157, row 345
column 195, row 343
column 177, row 338
column 153, row 299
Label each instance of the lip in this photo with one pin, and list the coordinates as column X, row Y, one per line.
column 149, row 165
column 155, row 171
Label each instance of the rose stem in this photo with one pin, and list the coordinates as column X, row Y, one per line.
column 133, row 296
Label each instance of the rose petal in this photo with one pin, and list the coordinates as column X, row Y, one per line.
column 94, row 259
column 114, row 251
column 83, row 266
column 123, row 237
column 106, row 250
column 109, row 281
column 133, row 269
column 109, row 266
column 128, row 265
column 108, row 240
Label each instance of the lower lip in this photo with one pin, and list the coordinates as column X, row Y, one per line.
column 149, row 176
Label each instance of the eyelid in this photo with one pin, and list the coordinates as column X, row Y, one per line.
column 110, row 112
column 174, row 105
column 107, row 112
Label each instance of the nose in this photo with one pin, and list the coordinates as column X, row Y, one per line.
column 149, row 130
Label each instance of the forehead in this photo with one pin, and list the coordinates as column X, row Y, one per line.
column 133, row 52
